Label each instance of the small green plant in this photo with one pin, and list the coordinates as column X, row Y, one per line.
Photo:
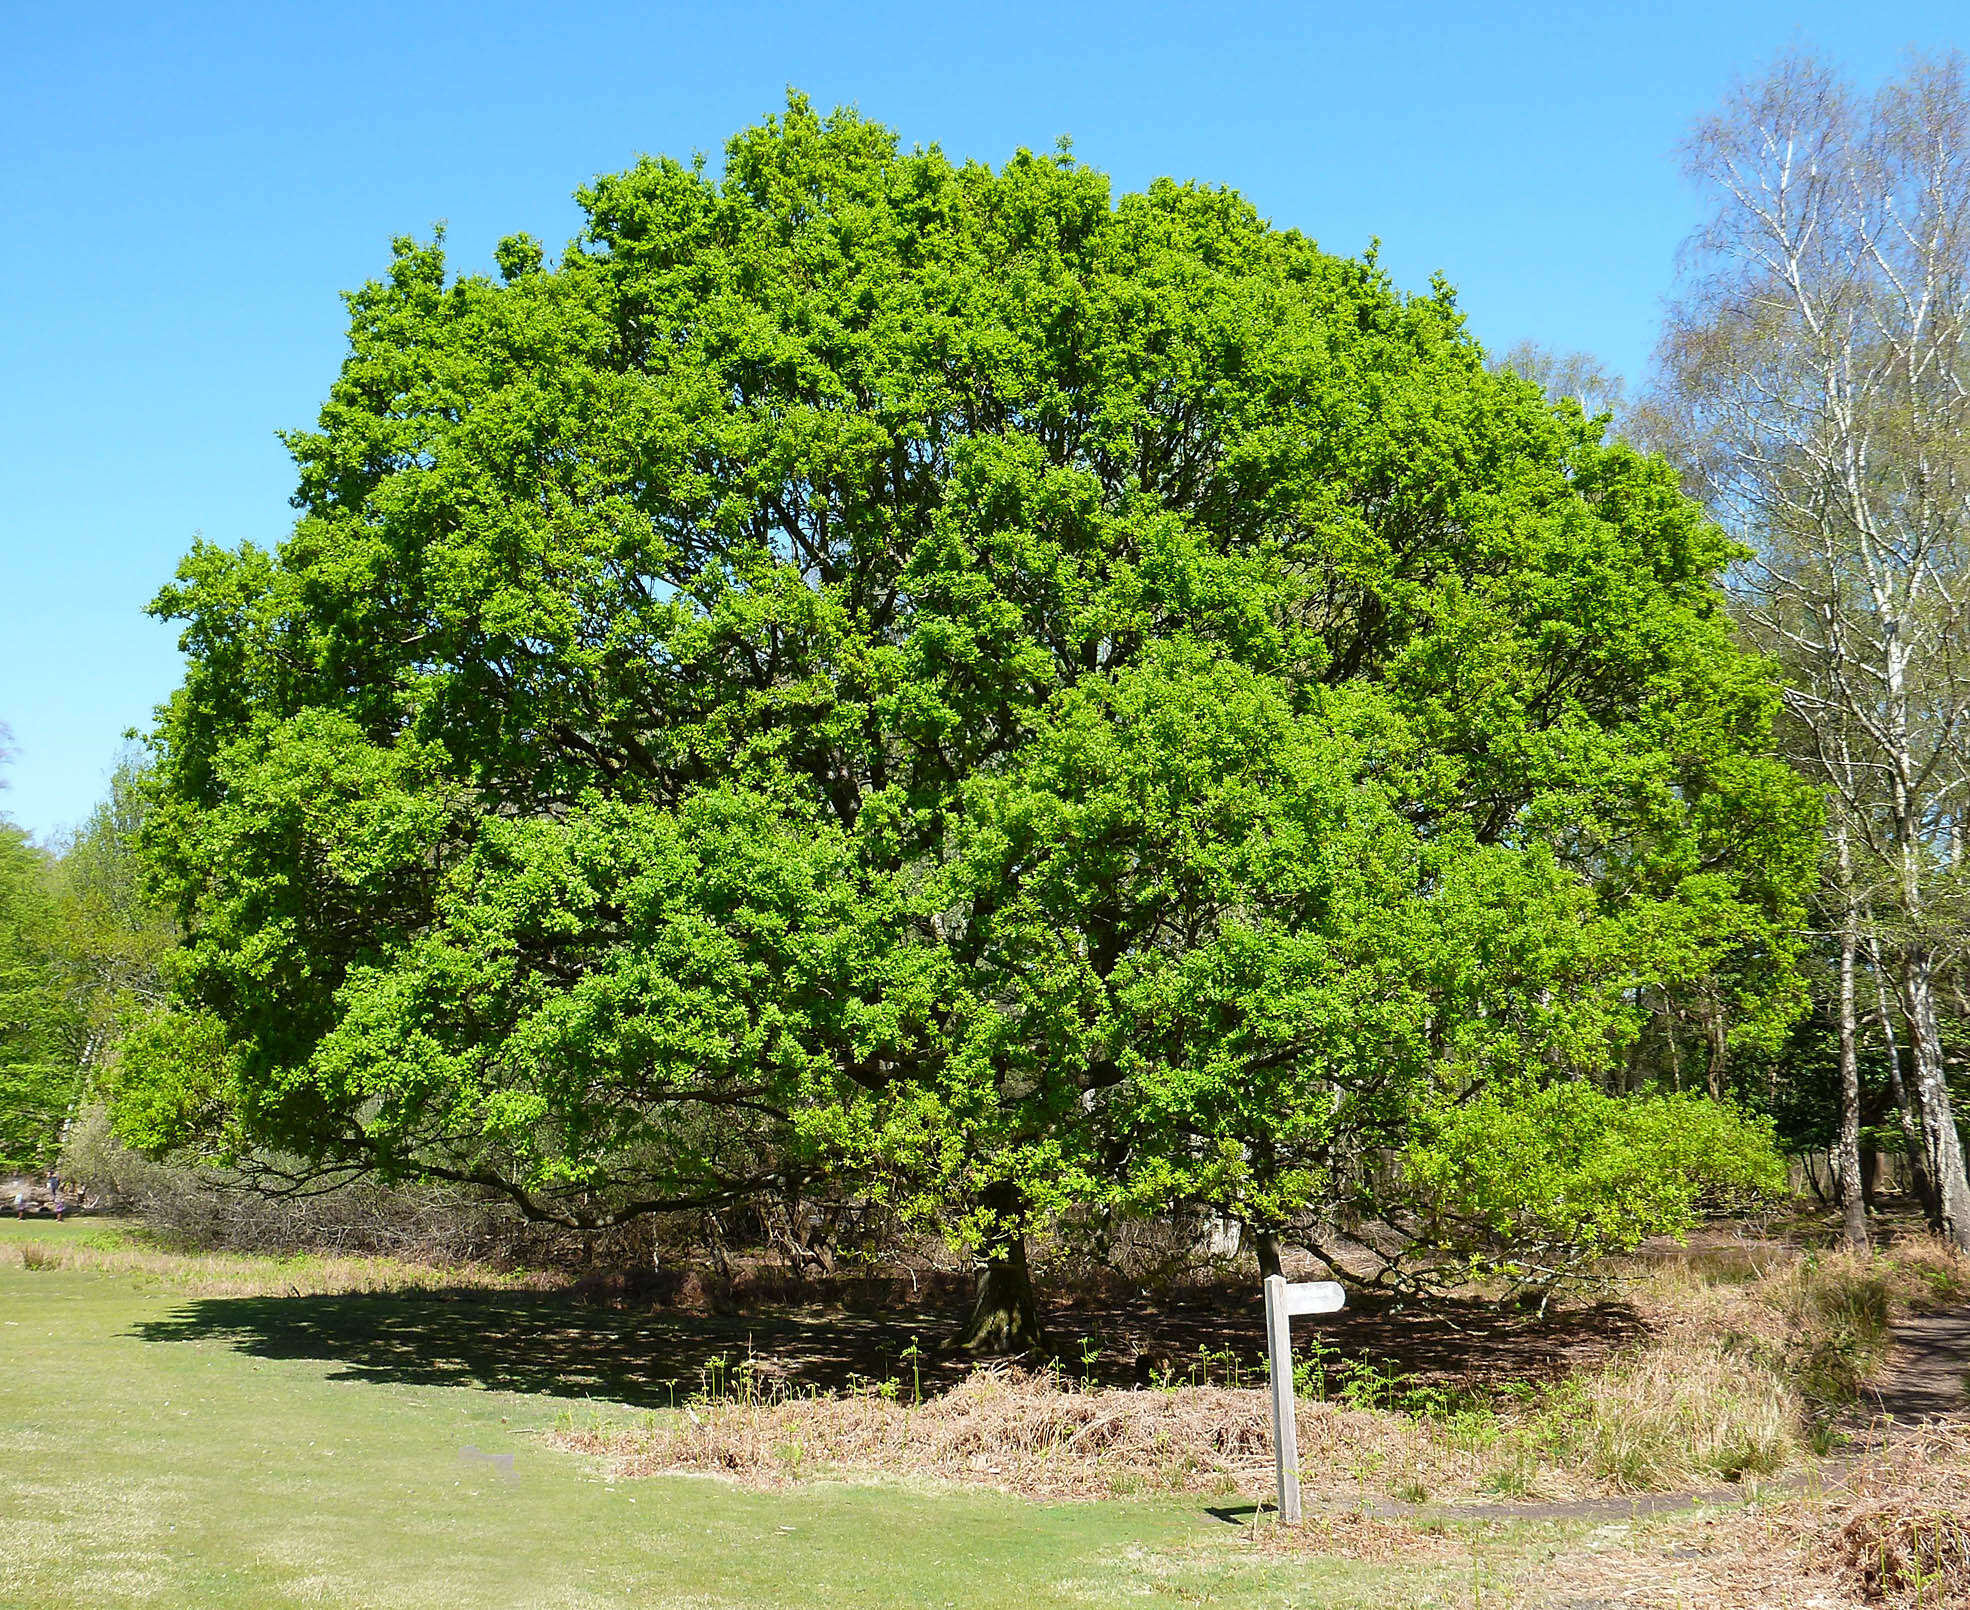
column 914, row 1353
column 1367, row 1463
column 1472, row 1428
column 711, row 1377
column 1325, row 1376
column 1513, row 1479
column 34, row 1257
column 1364, row 1384
column 1225, row 1361
column 1311, row 1374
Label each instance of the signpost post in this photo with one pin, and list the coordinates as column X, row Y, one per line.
column 1282, row 1301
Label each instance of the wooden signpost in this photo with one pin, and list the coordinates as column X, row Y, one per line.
column 1284, row 1299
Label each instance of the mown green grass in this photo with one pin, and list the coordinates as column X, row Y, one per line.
column 143, row 1462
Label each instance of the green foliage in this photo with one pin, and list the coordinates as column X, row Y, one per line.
column 173, row 1082
column 1532, row 1184
column 83, row 958
column 115, row 942
column 39, row 1078
column 1328, row 946
column 943, row 682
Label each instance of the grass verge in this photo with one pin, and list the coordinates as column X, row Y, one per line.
column 210, row 1473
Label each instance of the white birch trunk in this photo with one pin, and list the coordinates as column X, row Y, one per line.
column 1847, row 1149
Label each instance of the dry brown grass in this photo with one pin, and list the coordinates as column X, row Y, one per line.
column 1351, row 1535
column 1894, row 1533
column 1743, row 1371
column 1739, row 1559
column 1677, row 1412
column 231, row 1274
column 1664, row 1419
column 1899, row 1531
column 1031, row 1434
column 1707, row 1397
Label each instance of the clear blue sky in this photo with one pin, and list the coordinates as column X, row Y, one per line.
column 184, row 190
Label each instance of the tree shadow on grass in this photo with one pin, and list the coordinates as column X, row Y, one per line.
column 543, row 1343
column 554, row 1344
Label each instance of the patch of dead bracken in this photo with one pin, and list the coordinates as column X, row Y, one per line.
column 1899, row 1531
column 1025, row 1433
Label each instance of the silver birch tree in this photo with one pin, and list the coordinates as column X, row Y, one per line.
column 1816, row 370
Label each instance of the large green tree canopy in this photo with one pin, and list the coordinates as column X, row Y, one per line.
column 875, row 669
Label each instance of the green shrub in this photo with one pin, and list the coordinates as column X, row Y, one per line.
column 1533, row 1186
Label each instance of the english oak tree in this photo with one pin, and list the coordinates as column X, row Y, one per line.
column 875, row 673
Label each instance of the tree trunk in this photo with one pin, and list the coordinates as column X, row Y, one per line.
column 1847, row 1155
column 1942, row 1146
column 1905, row 1110
column 1266, row 1244
column 1715, row 1036
column 1004, row 1316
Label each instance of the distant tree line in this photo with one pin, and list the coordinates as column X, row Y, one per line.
column 83, row 954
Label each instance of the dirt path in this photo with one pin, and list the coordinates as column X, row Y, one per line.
column 1928, row 1374
column 1629, row 1507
